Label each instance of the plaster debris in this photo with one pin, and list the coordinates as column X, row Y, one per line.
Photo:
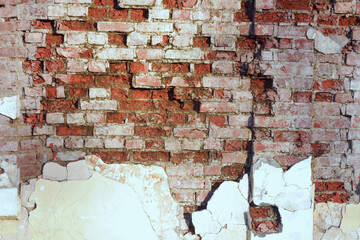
column 332, row 234
column 55, row 172
column 226, row 212
column 9, row 104
column 10, row 204
column 78, row 171
column 151, row 186
column 88, row 210
column 327, row 45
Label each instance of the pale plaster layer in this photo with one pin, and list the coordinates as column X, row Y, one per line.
column 336, row 221
column 9, row 104
column 327, row 44
column 91, row 209
column 151, row 186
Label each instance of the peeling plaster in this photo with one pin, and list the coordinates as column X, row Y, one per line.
column 327, row 45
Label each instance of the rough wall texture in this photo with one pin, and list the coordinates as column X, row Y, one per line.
column 203, row 88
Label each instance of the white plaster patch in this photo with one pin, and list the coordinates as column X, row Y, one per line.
column 55, row 172
column 150, row 184
column 9, row 203
column 204, row 223
column 78, row 171
column 88, row 210
column 290, row 190
column 327, row 45
column 9, row 104
column 226, row 212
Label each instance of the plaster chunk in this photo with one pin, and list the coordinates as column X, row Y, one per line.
column 89, row 210
column 9, row 104
column 10, row 204
column 25, row 191
column 150, row 184
column 290, row 190
column 230, row 232
column 78, row 170
column 332, row 234
column 228, row 205
column 327, row 215
column 204, row 223
column 55, row 172
column 327, row 45
column 351, row 218
column 11, row 175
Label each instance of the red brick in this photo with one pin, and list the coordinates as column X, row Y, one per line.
column 274, row 17
column 304, row 97
column 323, row 97
column 33, row 65
column 77, row 92
column 44, row 52
column 99, row 13
column 288, row 161
column 176, row 119
column 261, row 212
column 139, row 67
column 265, row 226
column 115, row 117
column 55, row 105
column 76, row 25
column 117, row 39
column 349, row 21
column 104, row 2
column 241, row 17
column 113, row 80
column 202, row 68
column 344, row 97
column 139, row 14
column 179, row 3
column 154, row 144
column 236, row 145
column 147, row 131
column 232, row 171
column 335, row 197
column 201, row 42
column 136, row 105
column 304, row 17
column 51, row 92
column 156, row 118
column 218, row 120
column 178, row 158
column 29, row 171
column 74, row 130
column 293, row 5
column 42, row 24
column 119, row 93
column 319, row 149
column 55, row 65
column 330, row 84
column 33, row 118
column 140, row 94
column 329, row 186
column 75, row 79
column 326, row 20
column 137, row 118
column 180, row 67
column 118, row 68
column 74, row 52
column 112, row 157
column 291, row 136
column 201, row 157
column 151, row 157
column 54, row 39
column 160, row 67
column 118, row 13
column 161, row 94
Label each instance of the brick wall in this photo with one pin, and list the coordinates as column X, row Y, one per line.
column 203, row 88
